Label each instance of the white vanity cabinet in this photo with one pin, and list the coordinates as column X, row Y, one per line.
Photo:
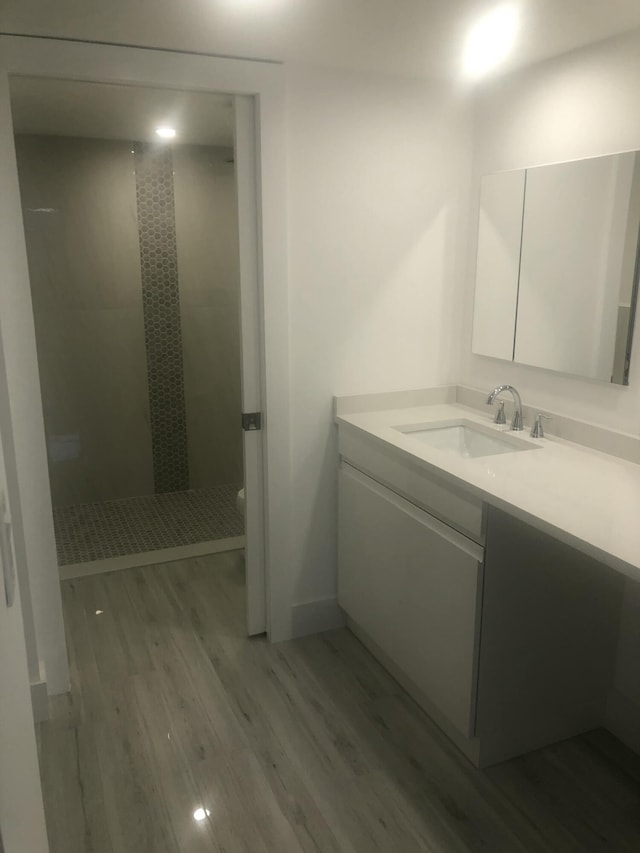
column 412, row 584
column 505, row 635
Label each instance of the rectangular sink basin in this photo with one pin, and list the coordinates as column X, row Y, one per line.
column 466, row 438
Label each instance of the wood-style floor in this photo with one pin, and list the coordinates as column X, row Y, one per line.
column 303, row 746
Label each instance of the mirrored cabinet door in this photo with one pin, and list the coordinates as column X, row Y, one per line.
column 558, row 266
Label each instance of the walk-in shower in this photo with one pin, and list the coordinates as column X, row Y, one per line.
column 133, row 260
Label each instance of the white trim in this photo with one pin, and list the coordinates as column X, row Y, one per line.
column 313, row 617
column 40, row 697
column 150, row 558
column 265, row 82
column 251, row 323
column 6, row 431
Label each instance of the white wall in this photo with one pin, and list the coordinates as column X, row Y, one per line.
column 378, row 183
column 580, row 105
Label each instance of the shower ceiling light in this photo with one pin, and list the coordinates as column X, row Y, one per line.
column 166, row 132
column 490, row 40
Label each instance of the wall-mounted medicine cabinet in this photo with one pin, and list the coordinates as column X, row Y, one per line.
column 557, row 266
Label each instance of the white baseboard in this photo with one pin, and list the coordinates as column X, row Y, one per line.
column 148, row 558
column 40, row 697
column 622, row 719
column 313, row 617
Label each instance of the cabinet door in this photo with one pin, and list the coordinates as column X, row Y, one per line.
column 413, row 585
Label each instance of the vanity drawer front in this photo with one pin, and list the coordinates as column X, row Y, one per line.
column 413, row 585
column 455, row 507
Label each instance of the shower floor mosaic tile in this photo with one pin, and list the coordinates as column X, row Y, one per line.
column 97, row 531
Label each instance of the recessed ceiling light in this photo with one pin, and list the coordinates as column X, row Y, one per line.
column 201, row 814
column 166, row 132
column 490, row 40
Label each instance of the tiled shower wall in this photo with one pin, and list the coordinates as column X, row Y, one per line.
column 208, row 240
column 79, row 207
column 161, row 312
column 108, row 435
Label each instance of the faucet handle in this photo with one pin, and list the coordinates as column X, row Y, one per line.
column 537, row 430
column 500, row 417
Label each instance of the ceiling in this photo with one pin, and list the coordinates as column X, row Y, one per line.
column 69, row 108
column 416, row 37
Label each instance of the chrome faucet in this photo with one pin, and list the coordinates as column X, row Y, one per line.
column 516, row 422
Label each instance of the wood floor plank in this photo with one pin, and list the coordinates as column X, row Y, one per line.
column 595, row 822
column 186, row 778
column 308, row 745
column 138, row 815
column 106, row 632
column 294, row 794
column 73, row 791
column 415, row 756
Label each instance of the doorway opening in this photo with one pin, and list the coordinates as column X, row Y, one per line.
column 133, row 249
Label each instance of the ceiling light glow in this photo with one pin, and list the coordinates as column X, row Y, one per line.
column 490, row 40
column 201, row 814
column 166, row 132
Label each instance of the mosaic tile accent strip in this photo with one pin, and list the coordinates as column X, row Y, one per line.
column 161, row 310
column 97, row 531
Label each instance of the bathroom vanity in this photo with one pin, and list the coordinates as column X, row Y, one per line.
column 485, row 568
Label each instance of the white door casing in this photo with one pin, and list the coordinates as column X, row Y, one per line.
column 22, row 824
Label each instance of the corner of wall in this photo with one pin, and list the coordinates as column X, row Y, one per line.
column 313, row 617
column 622, row 719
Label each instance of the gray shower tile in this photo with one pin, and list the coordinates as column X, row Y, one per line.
column 215, row 439
column 206, row 226
column 94, row 359
column 94, row 386
column 98, row 531
column 79, row 210
column 207, row 232
column 211, row 346
column 98, row 475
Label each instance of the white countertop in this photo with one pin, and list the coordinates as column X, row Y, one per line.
column 586, row 498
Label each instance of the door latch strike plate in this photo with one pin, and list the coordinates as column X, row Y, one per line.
column 251, row 421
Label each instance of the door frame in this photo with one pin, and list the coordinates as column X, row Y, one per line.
column 251, row 320
column 261, row 171
column 22, row 819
